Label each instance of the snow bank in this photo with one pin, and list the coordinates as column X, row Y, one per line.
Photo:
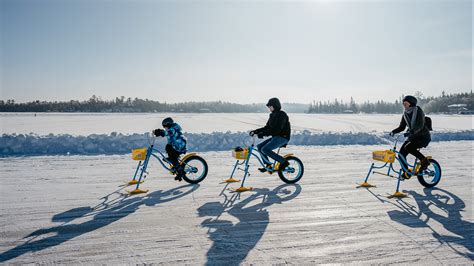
column 116, row 143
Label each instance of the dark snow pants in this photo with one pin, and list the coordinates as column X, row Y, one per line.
column 173, row 154
column 411, row 147
column 266, row 148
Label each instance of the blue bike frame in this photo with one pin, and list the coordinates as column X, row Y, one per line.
column 256, row 153
column 144, row 164
column 400, row 158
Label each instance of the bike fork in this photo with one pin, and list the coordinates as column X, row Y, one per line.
column 397, row 193
column 231, row 179
column 246, row 173
column 366, row 184
column 136, row 171
column 145, row 165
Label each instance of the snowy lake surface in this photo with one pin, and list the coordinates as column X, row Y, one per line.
column 128, row 123
column 72, row 210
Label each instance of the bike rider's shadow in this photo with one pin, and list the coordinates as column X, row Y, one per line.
column 451, row 219
column 113, row 207
column 233, row 241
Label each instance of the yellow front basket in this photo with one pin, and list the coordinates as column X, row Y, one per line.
column 384, row 156
column 139, row 154
column 240, row 155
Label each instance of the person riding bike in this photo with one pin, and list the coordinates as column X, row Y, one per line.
column 176, row 144
column 278, row 127
column 418, row 134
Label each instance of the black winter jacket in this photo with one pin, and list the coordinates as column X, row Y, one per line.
column 419, row 131
column 277, row 125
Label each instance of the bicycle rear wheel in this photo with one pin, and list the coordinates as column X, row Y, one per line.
column 293, row 172
column 195, row 168
column 431, row 176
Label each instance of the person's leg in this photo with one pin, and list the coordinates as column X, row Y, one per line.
column 173, row 155
column 274, row 143
column 412, row 148
column 403, row 154
column 259, row 148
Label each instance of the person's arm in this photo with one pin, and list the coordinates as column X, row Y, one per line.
column 277, row 124
column 261, row 130
column 172, row 132
column 419, row 122
column 159, row 132
column 401, row 127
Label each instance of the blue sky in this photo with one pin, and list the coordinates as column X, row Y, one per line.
column 238, row 51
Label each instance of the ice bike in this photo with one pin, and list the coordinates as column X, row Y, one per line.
column 429, row 177
column 195, row 167
column 291, row 174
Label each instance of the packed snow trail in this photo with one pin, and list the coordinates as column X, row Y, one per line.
column 72, row 209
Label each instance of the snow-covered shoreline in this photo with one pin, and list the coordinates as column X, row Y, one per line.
column 115, row 143
column 27, row 134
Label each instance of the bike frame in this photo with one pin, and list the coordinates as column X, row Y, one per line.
column 152, row 152
column 400, row 158
column 257, row 154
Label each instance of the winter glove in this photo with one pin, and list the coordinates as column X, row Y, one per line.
column 251, row 133
column 159, row 132
column 391, row 134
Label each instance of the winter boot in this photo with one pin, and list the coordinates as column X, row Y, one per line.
column 284, row 165
column 265, row 169
column 406, row 175
column 424, row 164
column 179, row 170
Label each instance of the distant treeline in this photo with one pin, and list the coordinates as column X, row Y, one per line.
column 122, row 104
column 437, row 104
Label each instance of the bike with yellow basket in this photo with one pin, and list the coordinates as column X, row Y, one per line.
column 290, row 174
column 290, row 169
column 192, row 167
column 426, row 169
column 428, row 177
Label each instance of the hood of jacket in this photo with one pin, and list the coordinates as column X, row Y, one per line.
column 275, row 103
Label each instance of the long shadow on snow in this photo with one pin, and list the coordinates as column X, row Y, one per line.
column 451, row 219
column 233, row 241
column 113, row 207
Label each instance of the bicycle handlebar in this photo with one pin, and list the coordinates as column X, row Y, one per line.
column 254, row 139
column 153, row 137
column 396, row 138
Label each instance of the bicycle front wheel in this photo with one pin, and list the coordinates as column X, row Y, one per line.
column 293, row 172
column 431, row 176
column 195, row 168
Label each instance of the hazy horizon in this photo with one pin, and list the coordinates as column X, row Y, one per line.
column 234, row 51
column 243, row 103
